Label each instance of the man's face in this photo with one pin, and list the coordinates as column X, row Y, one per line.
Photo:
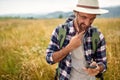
column 84, row 20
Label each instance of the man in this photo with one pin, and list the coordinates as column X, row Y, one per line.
column 76, row 53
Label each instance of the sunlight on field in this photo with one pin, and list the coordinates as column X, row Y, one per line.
column 23, row 43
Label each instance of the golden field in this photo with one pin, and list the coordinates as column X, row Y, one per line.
column 23, row 43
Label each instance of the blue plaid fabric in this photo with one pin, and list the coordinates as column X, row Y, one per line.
column 65, row 64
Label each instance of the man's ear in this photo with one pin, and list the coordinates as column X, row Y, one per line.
column 75, row 13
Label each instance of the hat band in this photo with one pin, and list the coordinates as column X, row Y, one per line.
column 91, row 7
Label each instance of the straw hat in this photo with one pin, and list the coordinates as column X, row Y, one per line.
column 89, row 6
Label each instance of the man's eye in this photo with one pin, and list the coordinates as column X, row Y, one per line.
column 92, row 19
column 83, row 17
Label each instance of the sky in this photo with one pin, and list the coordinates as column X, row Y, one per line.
column 44, row 6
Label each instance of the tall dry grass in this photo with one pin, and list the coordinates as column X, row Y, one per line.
column 23, row 43
column 22, row 49
column 111, row 30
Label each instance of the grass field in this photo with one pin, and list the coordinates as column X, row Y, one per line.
column 23, row 43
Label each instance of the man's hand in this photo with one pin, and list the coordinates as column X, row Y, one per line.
column 76, row 40
column 92, row 71
column 74, row 43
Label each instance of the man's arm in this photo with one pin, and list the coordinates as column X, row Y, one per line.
column 74, row 43
column 59, row 55
column 54, row 56
column 101, row 58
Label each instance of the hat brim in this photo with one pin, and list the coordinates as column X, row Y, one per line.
column 90, row 11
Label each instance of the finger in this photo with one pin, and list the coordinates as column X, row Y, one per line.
column 93, row 74
column 81, row 33
column 85, row 69
column 90, row 71
column 77, row 33
column 93, row 63
column 98, row 67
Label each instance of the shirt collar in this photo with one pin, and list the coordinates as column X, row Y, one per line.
column 71, row 27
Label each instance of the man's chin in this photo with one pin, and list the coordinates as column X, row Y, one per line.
column 86, row 29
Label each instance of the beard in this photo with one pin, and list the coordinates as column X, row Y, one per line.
column 82, row 27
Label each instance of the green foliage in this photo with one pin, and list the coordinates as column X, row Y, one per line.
column 60, row 16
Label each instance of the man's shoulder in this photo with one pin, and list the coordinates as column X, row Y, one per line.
column 67, row 23
column 70, row 18
column 98, row 31
column 94, row 29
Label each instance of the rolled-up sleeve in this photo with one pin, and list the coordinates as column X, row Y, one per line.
column 52, row 47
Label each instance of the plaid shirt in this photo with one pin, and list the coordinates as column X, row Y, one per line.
column 65, row 64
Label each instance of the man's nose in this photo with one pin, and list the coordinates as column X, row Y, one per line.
column 87, row 22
